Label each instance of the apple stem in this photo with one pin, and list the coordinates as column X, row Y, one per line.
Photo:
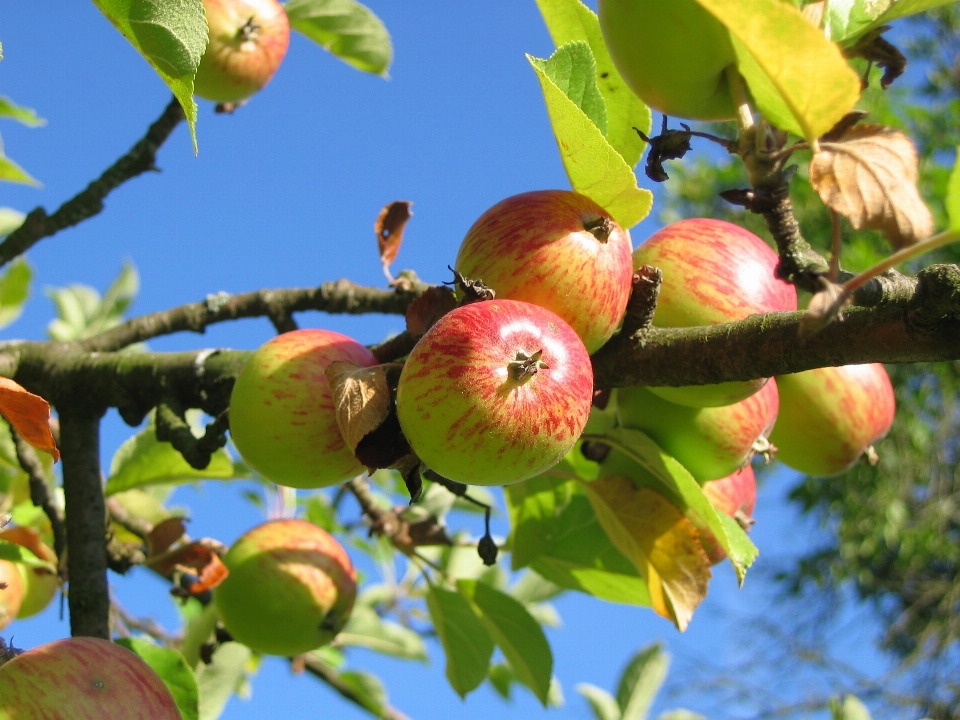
column 908, row 253
column 601, row 228
column 745, row 119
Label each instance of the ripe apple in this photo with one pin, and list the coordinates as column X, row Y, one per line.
column 248, row 40
column 710, row 442
column 290, row 589
column 672, row 55
column 83, row 678
column 557, row 249
column 495, row 392
column 39, row 585
column 713, row 272
column 11, row 596
column 734, row 495
column 831, row 415
column 282, row 416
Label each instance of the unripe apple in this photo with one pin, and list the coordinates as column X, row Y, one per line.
column 39, row 584
column 672, row 54
column 831, row 415
column 735, row 496
column 83, row 678
column 282, row 416
column 11, row 592
column 713, row 272
column 248, row 40
column 290, row 589
column 557, row 249
column 495, row 392
column 710, row 442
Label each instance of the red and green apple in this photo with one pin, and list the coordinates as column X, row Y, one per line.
column 39, row 584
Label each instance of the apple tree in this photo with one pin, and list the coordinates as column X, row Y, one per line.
column 601, row 496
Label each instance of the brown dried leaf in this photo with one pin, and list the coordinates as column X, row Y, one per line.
column 656, row 537
column 361, row 396
column 164, row 535
column 825, row 307
column 870, row 176
column 29, row 415
column 197, row 558
column 389, row 228
column 423, row 312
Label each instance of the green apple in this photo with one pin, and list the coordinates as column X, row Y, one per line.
column 713, row 272
column 248, row 41
column 282, row 416
column 673, row 54
column 830, row 416
column 290, row 589
column 557, row 249
column 495, row 392
column 710, row 442
column 39, row 585
column 83, row 678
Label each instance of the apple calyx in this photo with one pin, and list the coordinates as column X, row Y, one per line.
column 8, row 652
column 601, row 228
column 469, row 290
column 248, row 31
column 526, row 366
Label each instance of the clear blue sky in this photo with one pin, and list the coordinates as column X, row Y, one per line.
column 284, row 193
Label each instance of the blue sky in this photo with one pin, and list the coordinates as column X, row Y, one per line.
column 284, row 193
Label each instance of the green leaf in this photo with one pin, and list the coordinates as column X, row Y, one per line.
column 555, row 532
column 368, row 690
column 144, row 460
column 367, row 629
column 847, row 20
column 573, row 70
column 516, row 633
column 347, row 29
column 953, row 195
column 83, row 313
column 198, row 631
column 14, row 290
column 641, row 680
column 678, row 484
column 11, row 172
column 28, row 117
column 531, row 588
column 798, row 78
column 603, row 704
column 14, row 553
column 143, row 505
column 851, row 709
column 571, row 20
column 502, row 678
column 464, row 637
column 171, row 35
column 680, row 714
column 10, row 220
column 173, row 669
column 220, row 678
column 594, row 167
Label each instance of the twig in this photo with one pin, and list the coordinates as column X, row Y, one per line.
column 40, row 493
column 332, row 678
column 140, row 159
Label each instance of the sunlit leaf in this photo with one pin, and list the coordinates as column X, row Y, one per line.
column 220, row 678
column 516, row 633
column 173, row 669
column 171, row 35
column 368, row 690
column 573, row 70
column 14, row 290
column 16, row 553
column 367, row 629
column 10, row 220
column 852, row 708
column 799, row 79
column 953, row 195
column 594, row 167
column 11, row 172
column 347, row 29
column 641, row 681
column 603, row 704
column 27, row 116
column 571, row 20
column 82, row 312
column 464, row 637
column 846, row 20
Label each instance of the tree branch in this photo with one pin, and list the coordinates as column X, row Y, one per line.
column 40, row 493
column 89, row 202
column 332, row 678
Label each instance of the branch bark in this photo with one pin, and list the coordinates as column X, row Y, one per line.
column 138, row 160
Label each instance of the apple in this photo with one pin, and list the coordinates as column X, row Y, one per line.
column 248, row 40
column 39, row 585
column 11, row 594
column 83, row 678
column 672, row 55
column 831, row 415
column 710, row 442
column 557, row 249
column 495, row 392
column 282, row 415
column 713, row 272
column 735, row 496
column 290, row 589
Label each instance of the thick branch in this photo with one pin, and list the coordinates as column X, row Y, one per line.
column 89, row 202
column 341, row 297
column 89, row 594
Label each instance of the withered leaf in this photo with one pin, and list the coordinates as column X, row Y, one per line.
column 423, row 312
column 361, row 396
column 197, row 558
column 164, row 535
column 824, row 307
column 870, row 176
column 29, row 415
column 389, row 228
column 659, row 540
